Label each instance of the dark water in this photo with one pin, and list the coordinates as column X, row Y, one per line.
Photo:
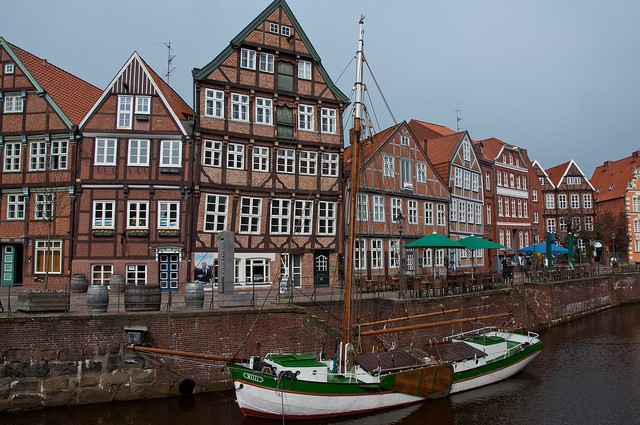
column 587, row 374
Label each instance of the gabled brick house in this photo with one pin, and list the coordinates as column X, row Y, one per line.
column 41, row 106
column 396, row 178
column 268, row 159
column 134, row 179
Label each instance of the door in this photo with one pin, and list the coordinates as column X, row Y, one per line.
column 8, row 265
column 169, row 271
column 321, row 269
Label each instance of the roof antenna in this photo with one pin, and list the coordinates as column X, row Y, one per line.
column 458, row 119
column 170, row 57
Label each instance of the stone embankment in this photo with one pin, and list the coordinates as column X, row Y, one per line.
column 70, row 359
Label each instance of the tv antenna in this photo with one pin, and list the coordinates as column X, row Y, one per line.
column 170, row 58
column 458, row 119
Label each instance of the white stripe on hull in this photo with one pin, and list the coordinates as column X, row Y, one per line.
column 491, row 377
column 271, row 403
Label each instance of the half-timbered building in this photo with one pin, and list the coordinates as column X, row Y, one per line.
column 41, row 107
column 134, row 181
column 269, row 150
column 400, row 199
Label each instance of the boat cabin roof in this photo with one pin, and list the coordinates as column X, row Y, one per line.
column 387, row 360
column 454, row 351
column 295, row 360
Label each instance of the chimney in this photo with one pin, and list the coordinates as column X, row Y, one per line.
column 636, row 154
column 607, row 163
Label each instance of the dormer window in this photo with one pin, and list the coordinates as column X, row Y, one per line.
column 611, row 187
column 9, row 68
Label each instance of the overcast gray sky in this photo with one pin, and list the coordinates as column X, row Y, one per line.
column 560, row 78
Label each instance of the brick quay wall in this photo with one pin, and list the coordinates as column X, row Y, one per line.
column 70, row 359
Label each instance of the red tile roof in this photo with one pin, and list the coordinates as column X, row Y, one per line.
column 426, row 130
column 369, row 146
column 73, row 95
column 555, row 173
column 490, row 147
column 440, row 152
column 182, row 110
column 617, row 173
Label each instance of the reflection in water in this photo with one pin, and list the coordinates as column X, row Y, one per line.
column 588, row 373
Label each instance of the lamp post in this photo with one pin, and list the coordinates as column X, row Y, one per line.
column 400, row 223
column 576, row 236
column 613, row 246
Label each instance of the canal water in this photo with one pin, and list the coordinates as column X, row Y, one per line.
column 588, row 374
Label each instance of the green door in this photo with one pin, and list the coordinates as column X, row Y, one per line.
column 8, row 265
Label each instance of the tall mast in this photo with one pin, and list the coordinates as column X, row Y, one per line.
column 353, row 189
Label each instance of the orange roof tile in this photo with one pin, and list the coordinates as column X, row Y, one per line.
column 369, row 145
column 175, row 101
column 426, row 130
column 610, row 180
column 73, row 95
column 491, row 147
column 556, row 173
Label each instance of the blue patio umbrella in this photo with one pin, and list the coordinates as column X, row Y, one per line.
column 541, row 247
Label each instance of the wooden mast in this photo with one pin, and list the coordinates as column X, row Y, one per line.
column 353, row 187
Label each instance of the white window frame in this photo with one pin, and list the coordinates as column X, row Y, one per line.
column 59, row 157
column 441, row 219
column 136, row 274
column 171, row 153
column 250, row 215
column 376, row 254
column 13, row 104
column 104, row 215
column 235, row 156
column 457, row 172
column 388, row 166
column 562, row 201
column 286, row 161
column 302, row 217
column 421, row 172
column 12, row 157
column 551, row 225
column 247, row 59
column 213, row 103
column 574, row 200
column 328, row 120
column 285, row 30
column 305, row 117
column 475, row 182
column 138, row 215
column 9, row 68
column 215, row 213
column 15, row 207
column 428, row 214
column 587, row 202
column 168, row 215
column 453, row 211
column 266, row 63
column 467, row 179
column 330, row 164
column 51, row 252
column 239, row 107
column 44, row 206
column 143, row 105
column 362, row 207
column 280, row 216
column 138, row 153
column 326, row 218
column 308, row 163
column 550, row 201
column 378, row 209
column 360, row 254
column 101, row 274
column 260, row 159
column 304, row 70
column 396, row 208
column 106, row 152
column 274, row 28
column 412, row 211
column 125, row 112
column 212, row 153
column 394, row 253
column 38, row 155
column 264, row 111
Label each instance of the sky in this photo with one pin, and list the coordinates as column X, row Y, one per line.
column 560, row 78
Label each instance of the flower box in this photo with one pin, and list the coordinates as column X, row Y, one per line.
column 42, row 301
column 138, row 233
column 101, row 233
column 168, row 232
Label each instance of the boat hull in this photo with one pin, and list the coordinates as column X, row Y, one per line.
column 265, row 396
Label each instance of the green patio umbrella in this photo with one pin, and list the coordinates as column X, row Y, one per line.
column 434, row 241
column 571, row 251
column 549, row 252
column 473, row 243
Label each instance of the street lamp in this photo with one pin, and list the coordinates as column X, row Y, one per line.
column 400, row 223
column 613, row 246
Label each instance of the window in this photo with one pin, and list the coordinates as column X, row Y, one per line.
column 441, row 220
column 428, row 213
column 636, row 226
column 171, row 153
column 586, row 201
column 12, row 156
column 212, row 153
column 302, row 217
column 326, row 218
column 13, row 104
column 138, row 152
column 575, row 201
column 285, row 76
column 412, row 211
column 535, row 217
column 458, row 177
column 280, row 216
column 453, row 211
column 250, row 215
column 168, row 215
column 9, row 68
column 101, row 274
column 378, row 209
column 15, row 207
column 488, row 220
column 506, row 207
column 478, row 214
column 239, row 107
column 394, row 253
column 406, row 169
column 501, row 237
column 551, row 225
column 487, row 181
column 266, row 62
column 534, row 195
column 104, row 214
column 48, row 257
column 213, row 103
column 500, row 211
column 235, row 156
column 499, row 178
column 518, row 184
column 136, row 274
column 549, row 201
column 562, row 201
column 466, row 152
column 260, row 158
column 328, row 120
column 636, row 204
column 376, row 254
column 330, row 164
column 286, row 31
column 143, row 105
column 467, row 179
column 359, row 254
column 215, row 214
column 562, row 224
column 525, row 208
column 286, row 160
column 264, row 111
column 362, row 207
column 470, row 217
column 308, row 163
column 137, row 215
column 37, row 156
column 304, row 70
column 247, row 59
column 588, row 224
column 513, row 207
column 421, row 172
column 59, row 154
column 305, row 117
column 105, row 152
column 439, row 257
column 519, row 207
column 475, row 182
column 575, row 223
column 512, row 182
column 256, row 269
column 125, row 110
column 388, row 166
column 44, row 206
column 396, row 208
column 284, row 116
column 524, row 182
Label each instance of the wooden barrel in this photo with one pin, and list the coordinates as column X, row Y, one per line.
column 142, row 298
column 194, row 296
column 78, row 284
column 116, row 283
column 97, row 299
